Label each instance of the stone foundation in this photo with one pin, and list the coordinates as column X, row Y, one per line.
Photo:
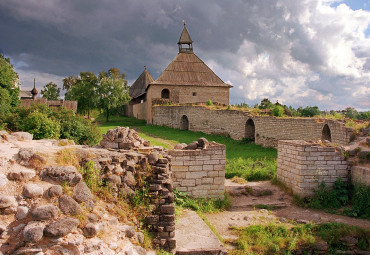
column 200, row 172
column 303, row 165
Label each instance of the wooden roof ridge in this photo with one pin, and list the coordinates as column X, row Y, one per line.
column 189, row 69
column 139, row 86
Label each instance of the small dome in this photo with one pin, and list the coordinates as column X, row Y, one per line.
column 34, row 91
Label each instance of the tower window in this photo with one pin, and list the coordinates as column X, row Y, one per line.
column 194, row 94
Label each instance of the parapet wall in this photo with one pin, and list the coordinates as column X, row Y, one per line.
column 51, row 103
column 302, row 166
column 200, row 172
column 238, row 125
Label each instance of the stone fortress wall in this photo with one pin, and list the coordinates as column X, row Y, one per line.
column 200, row 172
column 265, row 131
column 302, row 166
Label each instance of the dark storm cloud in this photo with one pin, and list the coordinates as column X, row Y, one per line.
column 280, row 49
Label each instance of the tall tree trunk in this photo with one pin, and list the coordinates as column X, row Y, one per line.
column 107, row 114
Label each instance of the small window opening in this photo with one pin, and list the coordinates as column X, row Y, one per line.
column 194, row 94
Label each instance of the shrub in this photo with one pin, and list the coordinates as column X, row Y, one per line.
column 41, row 126
column 209, row 102
column 278, row 111
column 361, row 201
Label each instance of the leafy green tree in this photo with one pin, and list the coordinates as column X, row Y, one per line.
column 84, row 90
column 309, row 111
column 278, row 111
column 265, row 104
column 50, row 91
column 9, row 80
column 351, row 112
column 364, row 115
column 112, row 90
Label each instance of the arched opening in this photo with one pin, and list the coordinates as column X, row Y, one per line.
column 250, row 130
column 326, row 133
column 165, row 94
column 184, row 123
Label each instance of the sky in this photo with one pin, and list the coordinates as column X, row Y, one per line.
column 299, row 53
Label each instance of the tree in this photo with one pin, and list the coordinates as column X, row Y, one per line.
column 9, row 80
column 351, row 112
column 112, row 90
column 309, row 111
column 265, row 104
column 84, row 90
column 278, row 111
column 50, row 91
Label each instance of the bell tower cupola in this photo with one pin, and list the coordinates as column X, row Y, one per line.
column 185, row 43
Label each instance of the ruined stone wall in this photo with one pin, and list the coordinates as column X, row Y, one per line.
column 200, row 172
column 360, row 174
column 267, row 130
column 51, row 103
column 302, row 165
column 137, row 110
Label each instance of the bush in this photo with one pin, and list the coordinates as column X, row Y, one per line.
column 361, row 201
column 41, row 126
column 209, row 102
column 278, row 111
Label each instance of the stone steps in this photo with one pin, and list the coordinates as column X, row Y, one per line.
column 194, row 237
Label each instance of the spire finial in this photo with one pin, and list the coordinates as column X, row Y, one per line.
column 34, row 82
column 145, row 67
column 183, row 21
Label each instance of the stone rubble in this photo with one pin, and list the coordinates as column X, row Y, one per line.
column 52, row 211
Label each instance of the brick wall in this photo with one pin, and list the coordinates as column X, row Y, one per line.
column 267, row 130
column 51, row 103
column 201, row 172
column 303, row 165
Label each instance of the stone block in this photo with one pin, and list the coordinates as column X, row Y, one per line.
column 187, row 183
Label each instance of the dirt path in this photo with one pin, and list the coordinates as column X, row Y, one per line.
column 244, row 211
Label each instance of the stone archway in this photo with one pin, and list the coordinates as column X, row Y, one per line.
column 250, row 130
column 184, row 123
column 165, row 94
column 326, row 133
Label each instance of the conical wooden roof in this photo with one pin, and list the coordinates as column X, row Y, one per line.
column 185, row 37
column 188, row 69
column 138, row 88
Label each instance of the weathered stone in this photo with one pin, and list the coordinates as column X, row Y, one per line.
column 29, row 251
column 93, row 218
column 81, row 192
column 33, row 232
column 129, row 179
column 22, row 136
column 180, row 146
column 69, row 206
column 129, row 231
column 114, row 179
column 203, row 143
column 118, row 170
column 167, row 209
column 140, row 237
column 90, row 230
column 146, row 143
column 349, row 241
column 3, row 180
column 32, row 190
column 22, row 212
column 54, row 191
column 61, row 227
column 21, row 175
column 45, row 212
column 153, row 157
column 191, row 146
column 89, row 204
column 61, row 174
column 259, row 191
column 26, row 156
column 19, row 227
column 7, row 201
column 126, row 191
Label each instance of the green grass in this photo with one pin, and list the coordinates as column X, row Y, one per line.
column 287, row 239
column 247, row 160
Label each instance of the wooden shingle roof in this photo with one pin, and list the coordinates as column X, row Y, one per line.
column 189, row 69
column 139, row 86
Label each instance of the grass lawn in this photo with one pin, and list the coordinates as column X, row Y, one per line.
column 246, row 160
